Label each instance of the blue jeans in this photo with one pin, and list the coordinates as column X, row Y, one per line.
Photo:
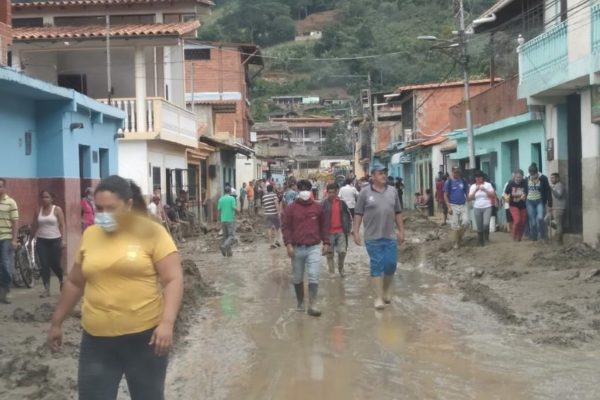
column 384, row 256
column 306, row 258
column 536, row 210
column 228, row 236
column 104, row 360
column 7, row 259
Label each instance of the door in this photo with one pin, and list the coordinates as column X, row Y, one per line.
column 575, row 185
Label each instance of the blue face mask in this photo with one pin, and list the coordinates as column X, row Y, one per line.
column 106, row 221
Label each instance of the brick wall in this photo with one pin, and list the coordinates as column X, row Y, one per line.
column 493, row 105
column 5, row 33
column 433, row 116
column 67, row 193
column 224, row 72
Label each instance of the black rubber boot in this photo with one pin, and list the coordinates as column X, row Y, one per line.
column 313, row 289
column 299, row 288
column 480, row 238
column 486, row 235
column 4, row 296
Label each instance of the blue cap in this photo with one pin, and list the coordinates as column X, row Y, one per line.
column 377, row 166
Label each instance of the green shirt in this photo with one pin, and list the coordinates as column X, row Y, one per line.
column 8, row 213
column 226, row 206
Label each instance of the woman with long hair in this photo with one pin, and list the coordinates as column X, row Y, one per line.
column 129, row 274
column 516, row 194
column 49, row 230
column 483, row 195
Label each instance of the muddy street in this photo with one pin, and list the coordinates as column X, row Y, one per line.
column 250, row 343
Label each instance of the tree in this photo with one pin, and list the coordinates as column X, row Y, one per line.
column 336, row 143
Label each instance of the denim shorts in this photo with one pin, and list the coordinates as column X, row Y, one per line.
column 384, row 256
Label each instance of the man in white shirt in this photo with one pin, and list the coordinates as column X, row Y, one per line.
column 349, row 194
column 155, row 209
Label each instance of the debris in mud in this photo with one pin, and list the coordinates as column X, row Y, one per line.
column 23, row 370
column 21, row 315
column 43, row 313
column 485, row 296
column 565, row 257
column 595, row 273
column 554, row 308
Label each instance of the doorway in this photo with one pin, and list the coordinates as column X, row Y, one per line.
column 575, row 184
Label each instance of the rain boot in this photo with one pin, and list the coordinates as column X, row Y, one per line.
column 480, row 240
column 387, row 288
column 313, row 289
column 331, row 264
column 341, row 259
column 486, row 236
column 378, row 289
column 4, row 296
column 299, row 288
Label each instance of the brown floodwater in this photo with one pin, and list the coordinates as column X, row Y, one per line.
column 249, row 342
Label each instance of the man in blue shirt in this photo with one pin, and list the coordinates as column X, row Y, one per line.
column 455, row 195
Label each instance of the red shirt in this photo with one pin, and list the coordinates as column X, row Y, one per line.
column 304, row 224
column 336, row 217
column 439, row 190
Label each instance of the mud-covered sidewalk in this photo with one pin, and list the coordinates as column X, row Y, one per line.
column 546, row 292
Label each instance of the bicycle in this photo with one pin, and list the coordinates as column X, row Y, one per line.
column 27, row 271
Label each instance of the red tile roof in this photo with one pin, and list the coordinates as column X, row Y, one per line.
column 93, row 32
column 65, row 3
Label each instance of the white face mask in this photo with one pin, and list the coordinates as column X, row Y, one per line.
column 106, row 221
column 304, row 195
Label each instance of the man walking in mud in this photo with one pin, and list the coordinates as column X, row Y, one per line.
column 304, row 228
column 9, row 218
column 227, row 209
column 340, row 224
column 378, row 206
column 455, row 195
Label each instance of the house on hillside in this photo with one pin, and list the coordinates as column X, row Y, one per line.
column 311, row 27
column 128, row 54
column 307, row 138
column 425, row 124
column 219, row 75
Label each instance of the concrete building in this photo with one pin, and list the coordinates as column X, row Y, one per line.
column 5, row 31
column 54, row 139
column 559, row 71
column 129, row 54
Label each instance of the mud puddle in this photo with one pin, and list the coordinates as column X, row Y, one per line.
column 249, row 343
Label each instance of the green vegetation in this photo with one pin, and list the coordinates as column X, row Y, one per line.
column 383, row 30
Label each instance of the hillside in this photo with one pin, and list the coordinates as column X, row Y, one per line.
column 359, row 38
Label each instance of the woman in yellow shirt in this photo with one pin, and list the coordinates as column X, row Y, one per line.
column 129, row 274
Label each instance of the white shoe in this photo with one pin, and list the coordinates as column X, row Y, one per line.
column 378, row 304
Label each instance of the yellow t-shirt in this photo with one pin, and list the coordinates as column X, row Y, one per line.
column 122, row 293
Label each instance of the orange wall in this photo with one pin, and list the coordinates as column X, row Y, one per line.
column 433, row 117
column 224, row 72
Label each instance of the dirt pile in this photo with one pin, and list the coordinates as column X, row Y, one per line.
column 545, row 291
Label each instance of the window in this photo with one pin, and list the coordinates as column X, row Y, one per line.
column 131, row 19
column 104, row 163
column 76, row 82
column 156, row 178
column 27, row 22
column 80, row 21
column 197, row 54
column 174, row 18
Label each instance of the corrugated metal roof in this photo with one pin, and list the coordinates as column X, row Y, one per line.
column 437, row 85
column 93, row 32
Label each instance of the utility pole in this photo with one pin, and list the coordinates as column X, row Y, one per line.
column 108, row 61
column 465, row 65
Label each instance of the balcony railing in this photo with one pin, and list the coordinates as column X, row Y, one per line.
column 544, row 54
column 596, row 28
column 163, row 120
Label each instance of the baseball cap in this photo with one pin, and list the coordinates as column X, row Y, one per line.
column 377, row 166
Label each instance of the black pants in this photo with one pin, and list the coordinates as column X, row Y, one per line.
column 49, row 253
column 104, row 360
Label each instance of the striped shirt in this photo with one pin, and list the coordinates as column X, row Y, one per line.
column 8, row 213
column 269, row 202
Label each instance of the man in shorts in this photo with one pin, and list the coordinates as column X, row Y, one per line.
column 340, row 224
column 271, row 210
column 378, row 206
column 455, row 195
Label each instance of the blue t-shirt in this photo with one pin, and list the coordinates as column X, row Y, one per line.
column 457, row 191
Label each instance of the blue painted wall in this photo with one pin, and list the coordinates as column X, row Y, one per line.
column 17, row 115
